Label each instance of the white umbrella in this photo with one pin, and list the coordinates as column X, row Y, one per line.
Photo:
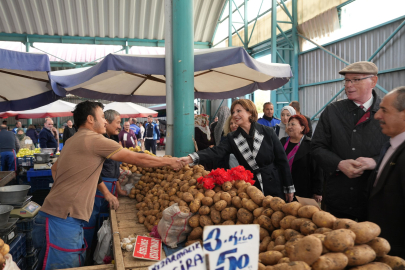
column 129, row 109
column 58, row 108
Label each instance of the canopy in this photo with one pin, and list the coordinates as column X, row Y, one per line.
column 129, row 109
column 58, row 108
column 8, row 114
column 24, row 81
column 219, row 73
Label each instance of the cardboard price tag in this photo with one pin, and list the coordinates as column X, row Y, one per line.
column 147, row 248
column 190, row 257
column 232, row 247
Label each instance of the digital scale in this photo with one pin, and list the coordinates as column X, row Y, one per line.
column 26, row 209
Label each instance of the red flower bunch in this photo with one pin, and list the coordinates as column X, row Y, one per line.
column 240, row 173
column 208, row 182
column 220, row 176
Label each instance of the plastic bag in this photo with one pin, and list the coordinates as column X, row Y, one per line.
column 124, row 176
column 127, row 188
column 10, row 264
column 104, row 237
column 173, row 228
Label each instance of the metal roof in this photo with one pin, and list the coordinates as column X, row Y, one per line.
column 132, row 19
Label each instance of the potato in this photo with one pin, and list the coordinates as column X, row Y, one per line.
column 195, row 234
column 291, row 266
column 220, row 205
column 264, row 243
column 263, row 233
column 205, row 221
column 308, row 227
column 276, row 218
column 291, row 208
column 245, row 216
column 339, row 240
column 270, row 246
column 209, row 193
column 215, row 216
column 373, row 266
column 187, row 197
column 359, row 255
column 255, row 194
column 296, row 223
column 217, row 197
column 322, row 238
column 277, row 203
column 5, row 249
column 194, row 221
column 195, row 205
column 199, row 196
column 226, row 197
column 249, row 204
column 290, row 233
column 331, row 261
column 323, row 230
column 141, row 219
column 279, row 248
column 208, row 201
column 380, row 246
column 285, row 223
column 265, row 222
column 268, row 212
column 229, row 213
column 365, row 231
column 277, row 233
column 280, row 240
column 323, row 219
column 258, row 211
column 396, row 263
column 343, row 223
column 307, row 211
column 270, row 257
column 228, row 222
column 226, row 186
column 266, row 201
column 237, row 202
column 243, row 195
column 308, row 250
column 204, row 210
column 261, row 267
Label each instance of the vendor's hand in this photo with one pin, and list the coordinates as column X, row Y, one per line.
column 351, row 168
column 186, row 160
column 317, row 198
column 367, row 163
column 122, row 192
column 289, row 197
column 112, row 200
column 175, row 163
column 212, row 146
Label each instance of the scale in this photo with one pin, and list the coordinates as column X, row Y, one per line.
column 26, row 209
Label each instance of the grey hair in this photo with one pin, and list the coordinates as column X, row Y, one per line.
column 110, row 115
column 399, row 102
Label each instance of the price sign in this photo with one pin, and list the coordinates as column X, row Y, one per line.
column 147, row 248
column 190, row 257
column 232, row 247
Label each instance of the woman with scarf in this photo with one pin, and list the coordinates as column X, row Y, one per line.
column 257, row 148
column 202, row 132
column 286, row 113
column 24, row 140
column 307, row 176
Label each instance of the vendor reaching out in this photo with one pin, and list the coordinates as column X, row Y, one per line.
column 257, row 148
column 59, row 225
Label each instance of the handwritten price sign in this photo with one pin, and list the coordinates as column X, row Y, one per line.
column 232, row 247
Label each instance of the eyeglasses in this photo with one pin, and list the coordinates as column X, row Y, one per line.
column 354, row 81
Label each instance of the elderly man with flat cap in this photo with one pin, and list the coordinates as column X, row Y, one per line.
column 347, row 142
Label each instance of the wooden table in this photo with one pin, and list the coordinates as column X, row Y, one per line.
column 6, row 177
column 124, row 222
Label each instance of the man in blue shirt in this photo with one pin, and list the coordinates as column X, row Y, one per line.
column 268, row 118
column 46, row 138
column 9, row 147
column 17, row 126
column 152, row 135
column 134, row 127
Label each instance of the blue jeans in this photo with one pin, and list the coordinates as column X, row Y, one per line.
column 8, row 161
column 61, row 241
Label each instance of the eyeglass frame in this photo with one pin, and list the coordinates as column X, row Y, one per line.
column 356, row 81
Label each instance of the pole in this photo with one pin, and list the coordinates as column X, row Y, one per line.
column 208, row 108
column 245, row 21
column 295, row 95
column 27, row 49
column 169, row 76
column 183, row 77
column 273, row 94
column 230, row 24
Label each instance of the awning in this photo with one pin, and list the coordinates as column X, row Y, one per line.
column 58, row 108
column 129, row 109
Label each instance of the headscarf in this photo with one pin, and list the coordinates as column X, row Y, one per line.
column 20, row 136
column 223, row 114
column 201, row 121
column 282, row 133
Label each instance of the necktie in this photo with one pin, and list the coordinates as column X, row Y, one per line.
column 380, row 158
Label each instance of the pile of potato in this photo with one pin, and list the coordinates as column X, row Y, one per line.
column 292, row 236
column 129, row 167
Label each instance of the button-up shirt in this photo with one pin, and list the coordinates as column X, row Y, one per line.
column 366, row 104
column 395, row 142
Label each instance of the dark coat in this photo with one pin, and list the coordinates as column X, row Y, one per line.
column 386, row 206
column 67, row 133
column 307, row 176
column 32, row 133
column 271, row 159
column 309, row 134
column 47, row 140
column 337, row 138
column 202, row 140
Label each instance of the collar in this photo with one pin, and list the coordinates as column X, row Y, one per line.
column 268, row 118
column 366, row 104
column 397, row 140
column 375, row 103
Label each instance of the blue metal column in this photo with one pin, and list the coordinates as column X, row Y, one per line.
column 208, row 108
column 27, row 49
column 183, row 77
column 229, row 103
column 169, row 76
column 295, row 95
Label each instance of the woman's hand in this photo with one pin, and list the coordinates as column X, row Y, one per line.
column 289, row 197
column 317, row 198
column 186, row 160
column 175, row 163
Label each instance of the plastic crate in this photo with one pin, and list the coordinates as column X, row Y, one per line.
column 27, row 161
column 22, row 263
column 18, row 247
column 32, row 257
column 26, row 224
column 29, row 242
column 39, row 196
column 40, row 179
column 34, row 266
column 9, row 235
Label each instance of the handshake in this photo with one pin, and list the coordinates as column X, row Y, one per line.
column 178, row 163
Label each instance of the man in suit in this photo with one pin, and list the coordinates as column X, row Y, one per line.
column 386, row 205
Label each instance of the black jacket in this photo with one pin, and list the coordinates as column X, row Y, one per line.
column 271, row 159
column 309, row 134
column 306, row 175
column 336, row 138
column 67, row 133
column 386, row 205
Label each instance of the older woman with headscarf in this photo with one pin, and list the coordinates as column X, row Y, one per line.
column 257, row 148
column 24, row 140
column 286, row 113
column 202, row 132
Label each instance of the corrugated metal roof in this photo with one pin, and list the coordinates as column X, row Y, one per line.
column 143, row 19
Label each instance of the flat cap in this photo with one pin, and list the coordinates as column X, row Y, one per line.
column 363, row 67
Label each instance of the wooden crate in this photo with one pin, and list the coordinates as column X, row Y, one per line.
column 6, row 177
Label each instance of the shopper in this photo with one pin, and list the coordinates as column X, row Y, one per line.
column 142, row 136
column 9, row 147
column 202, row 133
column 17, row 126
column 127, row 137
column 297, row 107
column 306, row 175
column 286, row 113
column 268, row 116
column 24, row 140
column 134, row 127
column 347, row 142
column 152, row 135
column 257, row 148
column 58, row 227
column 33, row 134
column 47, row 137
column 69, row 131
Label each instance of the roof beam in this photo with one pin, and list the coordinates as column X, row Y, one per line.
column 92, row 40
